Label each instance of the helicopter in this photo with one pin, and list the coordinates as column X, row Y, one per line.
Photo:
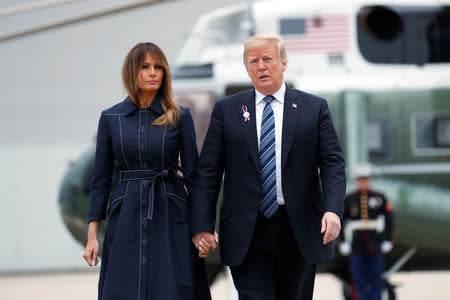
column 385, row 72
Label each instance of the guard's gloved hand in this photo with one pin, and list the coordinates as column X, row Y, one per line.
column 345, row 248
column 386, row 246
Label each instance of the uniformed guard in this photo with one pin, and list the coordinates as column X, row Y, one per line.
column 368, row 233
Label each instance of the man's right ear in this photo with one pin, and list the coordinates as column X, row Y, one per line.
column 284, row 65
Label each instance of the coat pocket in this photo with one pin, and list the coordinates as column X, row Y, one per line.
column 119, row 192
column 180, row 208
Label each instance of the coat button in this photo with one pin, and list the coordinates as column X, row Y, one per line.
column 143, row 260
column 144, row 182
column 144, row 241
column 144, row 222
column 142, row 147
column 142, row 128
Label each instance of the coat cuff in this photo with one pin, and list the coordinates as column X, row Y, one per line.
column 96, row 217
column 206, row 227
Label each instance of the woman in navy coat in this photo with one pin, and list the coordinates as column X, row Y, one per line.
column 147, row 250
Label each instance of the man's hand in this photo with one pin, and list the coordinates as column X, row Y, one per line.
column 331, row 226
column 205, row 242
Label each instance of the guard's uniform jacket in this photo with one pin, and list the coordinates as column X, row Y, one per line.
column 368, row 206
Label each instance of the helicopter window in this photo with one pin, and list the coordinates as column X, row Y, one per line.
column 442, row 131
column 214, row 31
column 424, row 128
column 377, row 137
column 233, row 89
column 227, row 28
column 404, row 35
column 432, row 134
column 193, row 71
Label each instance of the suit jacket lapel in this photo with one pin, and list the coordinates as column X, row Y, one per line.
column 291, row 115
column 249, row 127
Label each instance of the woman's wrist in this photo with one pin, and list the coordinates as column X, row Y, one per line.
column 93, row 230
column 92, row 237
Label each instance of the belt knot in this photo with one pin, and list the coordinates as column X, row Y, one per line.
column 155, row 177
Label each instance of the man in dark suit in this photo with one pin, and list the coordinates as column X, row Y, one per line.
column 270, row 145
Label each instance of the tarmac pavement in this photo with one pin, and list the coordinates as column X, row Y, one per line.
column 83, row 286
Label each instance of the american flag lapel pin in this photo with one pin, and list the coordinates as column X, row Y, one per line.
column 294, row 105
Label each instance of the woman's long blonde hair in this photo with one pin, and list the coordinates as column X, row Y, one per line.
column 130, row 74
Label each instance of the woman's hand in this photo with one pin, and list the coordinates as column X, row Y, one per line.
column 91, row 251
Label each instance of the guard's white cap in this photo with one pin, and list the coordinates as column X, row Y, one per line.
column 363, row 170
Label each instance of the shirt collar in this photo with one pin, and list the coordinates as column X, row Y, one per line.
column 279, row 95
column 130, row 107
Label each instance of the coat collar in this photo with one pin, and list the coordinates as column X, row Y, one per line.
column 130, row 107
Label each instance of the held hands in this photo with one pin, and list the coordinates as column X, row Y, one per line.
column 205, row 242
column 331, row 226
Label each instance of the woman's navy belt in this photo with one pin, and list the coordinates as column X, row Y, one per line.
column 155, row 177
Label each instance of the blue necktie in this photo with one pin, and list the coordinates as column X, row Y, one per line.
column 268, row 205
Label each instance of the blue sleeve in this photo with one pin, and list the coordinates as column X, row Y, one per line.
column 209, row 176
column 102, row 175
column 188, row 150
column 331, row 163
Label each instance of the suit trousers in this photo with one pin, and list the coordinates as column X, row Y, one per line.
column 274, row 268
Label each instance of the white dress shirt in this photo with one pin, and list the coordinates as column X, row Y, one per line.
column 277, row 107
